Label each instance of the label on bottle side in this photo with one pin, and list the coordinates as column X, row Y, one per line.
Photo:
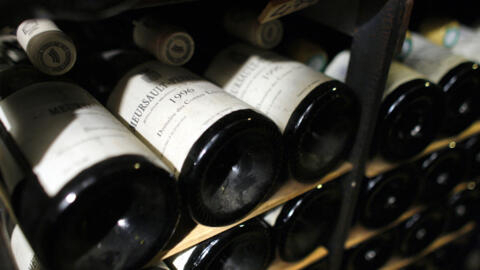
column 22, row 252
column 460, row 39
column 272, row 84
column 338, row 67
column 432, row 60
column 244, row 24
column 468, row 44
column 170, row 107
column 169, row 44
column 62, row 130
column 271, row 216
column 399, row 74
column 181, row 260
column 47, row 47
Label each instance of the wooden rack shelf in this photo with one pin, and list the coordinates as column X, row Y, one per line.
column 288, row 191
column 378, row 165
column 397, row 262
column 316, row 255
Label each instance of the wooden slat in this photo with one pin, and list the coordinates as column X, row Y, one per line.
column 359, row 234
column 378, row 165
column 316, row 255
column 288, row 191
column 397, row 262
column 279, row 8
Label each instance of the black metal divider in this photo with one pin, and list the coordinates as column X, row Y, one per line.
column 378, row 28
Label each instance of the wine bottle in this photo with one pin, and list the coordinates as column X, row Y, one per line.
column 243, row 24
column 424, row 263
column 461, row 207
column 248, row 246
column 441, row 171
column 460, row 39
column 456, row 254
column 318, row 115
column 385, row 197
column 458, row 77
column 47, row 47
column 170, row 44
column 372, row 254
column 80, row 182
column 411, row 111
column 305, row 223
column 472, row 148
column 307, row 52
column 419, row 231
column 227, row 157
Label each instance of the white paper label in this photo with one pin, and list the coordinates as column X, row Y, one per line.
column 432, row 60
column 468, row 44
column 22, row 252
column 398, row 75
column 30, row 28
column 338, row 67
column 181, row 260
column 272, row 84
column 62, row 130
column 170, row 107
column 272, row 215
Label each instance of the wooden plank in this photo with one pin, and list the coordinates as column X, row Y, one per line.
column 279, row 8
column 316, row 255
column 289, row 190
column 378, row 165
column 359, row 234
column 398, row 263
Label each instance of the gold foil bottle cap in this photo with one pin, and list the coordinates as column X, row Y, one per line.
column 169, row 44
column 244, row 25
column 48, row 48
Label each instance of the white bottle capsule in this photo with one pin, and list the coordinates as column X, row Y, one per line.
column 47, row 47
column 169, row 44
column 244, row 25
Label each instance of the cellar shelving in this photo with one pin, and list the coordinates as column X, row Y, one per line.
column 381, row 32
column 397, row 262
column 378, row 166
column 288, row 191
